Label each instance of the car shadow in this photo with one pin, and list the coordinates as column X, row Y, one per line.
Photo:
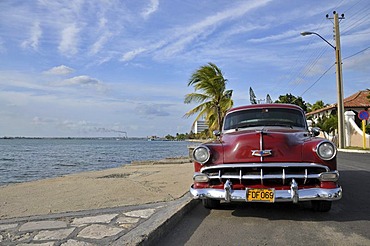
column 354, row 205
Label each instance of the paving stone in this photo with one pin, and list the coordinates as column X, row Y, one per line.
column 53, row 235
column 7, row 226
column 73, row 242
column 99, row 231
column 127, row 220
column 20, row 237
column 36, row 244
column 143, row 213
column 42, row 225
column 126, row 226
column 105, row 218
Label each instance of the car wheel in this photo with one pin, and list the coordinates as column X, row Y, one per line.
column 321, row 206
column 211, row 203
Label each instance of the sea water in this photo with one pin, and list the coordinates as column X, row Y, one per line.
column 24, row 160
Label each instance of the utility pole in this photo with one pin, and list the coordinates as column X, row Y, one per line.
column 339, row 79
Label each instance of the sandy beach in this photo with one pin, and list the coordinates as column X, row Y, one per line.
column 133, row 184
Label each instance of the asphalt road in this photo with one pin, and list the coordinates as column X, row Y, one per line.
column 347, row 223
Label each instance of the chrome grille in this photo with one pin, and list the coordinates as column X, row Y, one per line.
column 271, row 173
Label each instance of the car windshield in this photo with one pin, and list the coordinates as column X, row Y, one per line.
column 265, row 117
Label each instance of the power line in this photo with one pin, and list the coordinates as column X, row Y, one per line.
column 317, row 80
column 359, row 17
column 359, row 52
column 356, row 53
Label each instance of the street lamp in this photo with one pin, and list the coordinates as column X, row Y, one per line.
column 340, row 106
column 315, row 33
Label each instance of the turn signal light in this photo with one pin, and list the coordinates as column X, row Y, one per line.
column 200, row 178
column 329, row 176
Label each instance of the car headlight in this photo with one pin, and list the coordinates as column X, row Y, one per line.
column 326, row 150
column 201, row 154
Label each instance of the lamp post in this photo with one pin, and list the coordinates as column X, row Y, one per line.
column 338, row 61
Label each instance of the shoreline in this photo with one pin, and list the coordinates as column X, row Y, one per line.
column 179, row 159
column 140, row 182
column 35, row 159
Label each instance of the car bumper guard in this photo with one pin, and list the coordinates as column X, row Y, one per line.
column 293, row 195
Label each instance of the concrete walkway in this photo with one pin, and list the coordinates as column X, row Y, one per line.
column 129, row 225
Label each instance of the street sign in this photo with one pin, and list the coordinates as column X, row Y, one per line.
column 363, row 115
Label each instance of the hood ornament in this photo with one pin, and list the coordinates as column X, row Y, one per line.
column 262, row 153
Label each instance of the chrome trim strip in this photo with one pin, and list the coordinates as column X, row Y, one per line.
column 270, row 176
column 261, row 144
column 272, row 164
column 305, row 176
column 280, row 195
column 261, row 176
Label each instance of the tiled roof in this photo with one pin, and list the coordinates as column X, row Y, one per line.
column 357, row 100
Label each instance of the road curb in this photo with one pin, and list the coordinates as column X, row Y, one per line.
column 150, row 231
column 354, row 151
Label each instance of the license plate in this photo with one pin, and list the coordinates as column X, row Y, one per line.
column 260, row 195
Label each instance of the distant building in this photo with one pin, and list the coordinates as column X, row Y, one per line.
column 356, row 103
column 199, row 126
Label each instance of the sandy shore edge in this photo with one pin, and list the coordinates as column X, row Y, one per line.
column 141, row 182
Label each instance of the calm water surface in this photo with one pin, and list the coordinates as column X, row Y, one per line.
column 24, row 160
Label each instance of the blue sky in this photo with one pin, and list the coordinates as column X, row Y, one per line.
column 99, row 68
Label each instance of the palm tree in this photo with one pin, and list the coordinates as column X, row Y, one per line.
column 318, row 105
column 210, row 91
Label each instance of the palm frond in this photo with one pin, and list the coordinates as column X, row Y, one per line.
column 195, row 97
column 210, row 90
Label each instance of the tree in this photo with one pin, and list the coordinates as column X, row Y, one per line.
column 289, row 98
column 318, row 105
column 210, row 91
column 170, row 137
column 328, row 123
column 252, row 96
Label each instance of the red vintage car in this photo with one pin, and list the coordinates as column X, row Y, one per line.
column 266, row 153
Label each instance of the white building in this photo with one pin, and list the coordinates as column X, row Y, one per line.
column 199, row 126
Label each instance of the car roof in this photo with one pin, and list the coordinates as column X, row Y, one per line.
column 272, row 105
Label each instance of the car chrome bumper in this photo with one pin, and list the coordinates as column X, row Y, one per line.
column 292, row 195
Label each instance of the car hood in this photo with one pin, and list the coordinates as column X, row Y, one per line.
column 264, row 145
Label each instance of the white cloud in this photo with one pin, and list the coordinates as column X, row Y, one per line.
column 59, row 70
column 81, row 80
column 180, row 39
column 35, row 36
column 99, row 44
column 358, row 63
column 69, row 40
column 102, row 22
column 132, row 54
column 2, row 47
column 152, row 8
column 155, row 110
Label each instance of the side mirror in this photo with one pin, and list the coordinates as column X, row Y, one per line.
column 217, row 133
column 315, row 131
